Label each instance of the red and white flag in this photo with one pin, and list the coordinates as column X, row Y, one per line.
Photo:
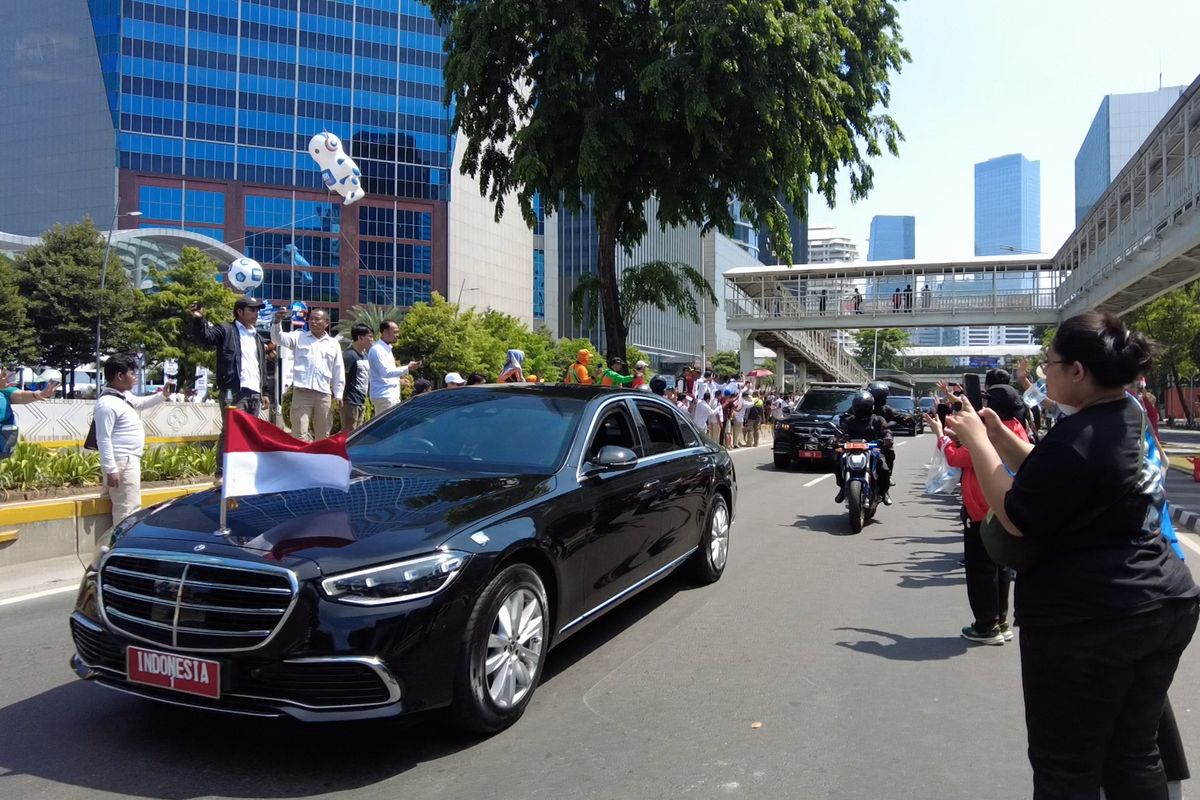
column 262, row 459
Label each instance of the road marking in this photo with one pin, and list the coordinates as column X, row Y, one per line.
column 815, row 481
column 901, row 444
column 1188, row 543
column 35, row 595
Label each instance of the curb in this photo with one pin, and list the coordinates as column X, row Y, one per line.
column 1186, row 519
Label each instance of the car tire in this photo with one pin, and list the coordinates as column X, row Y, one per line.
column 487, row 702
column 709, row 560
column 782, row 462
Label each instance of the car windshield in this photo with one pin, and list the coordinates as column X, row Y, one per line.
column 901, row 403
column 477, row 430
column 928, row 403
column 825, row 402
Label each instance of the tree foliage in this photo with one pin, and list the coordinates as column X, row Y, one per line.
column 166, row 325
column 18, row 341
column 370, row 315
column 694, row 102
column 60, row 280
column 884, row 356
column 726, row 363
column 662, row 284
column 1173, row 321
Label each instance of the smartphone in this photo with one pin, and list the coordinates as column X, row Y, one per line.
column 974, row 390
column 943, row 411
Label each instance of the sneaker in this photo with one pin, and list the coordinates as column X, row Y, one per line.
column 1006, row 631
column 887, row 499
column 993, row 636
column 841, row 496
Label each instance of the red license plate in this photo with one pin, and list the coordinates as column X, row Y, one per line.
column 808, row 454
column 173, row 671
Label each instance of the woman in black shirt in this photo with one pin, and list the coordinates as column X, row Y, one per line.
column 1105, row 608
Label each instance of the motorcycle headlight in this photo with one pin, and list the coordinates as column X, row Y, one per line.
column 857, row 461
column 396, row 583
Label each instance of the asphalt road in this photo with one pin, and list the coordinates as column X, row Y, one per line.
column 845, row 648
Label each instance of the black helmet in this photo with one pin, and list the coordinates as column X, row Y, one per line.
column 879, row 391
column 862, row 405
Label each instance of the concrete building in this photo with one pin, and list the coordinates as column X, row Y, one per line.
column 826, row 245
column 1121, row 124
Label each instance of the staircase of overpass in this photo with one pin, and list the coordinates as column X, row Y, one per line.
column 1140, row 240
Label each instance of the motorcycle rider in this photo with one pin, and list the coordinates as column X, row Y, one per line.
column 861, row 422
column 879, row 392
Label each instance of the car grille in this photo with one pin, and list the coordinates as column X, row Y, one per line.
column 97, row 648
column 193, row 603
column 317, row 683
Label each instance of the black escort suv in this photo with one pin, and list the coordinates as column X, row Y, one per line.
column 808, row 433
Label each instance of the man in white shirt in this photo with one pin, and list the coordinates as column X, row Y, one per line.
column 318, row 373
column 385, row 375
column 120, row 438
column 706, row 413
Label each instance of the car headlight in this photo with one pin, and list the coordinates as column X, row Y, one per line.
column 396, row 583
column 783, row 426
column 104, row 541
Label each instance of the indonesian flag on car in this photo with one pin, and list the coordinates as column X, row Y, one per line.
column 262, row 459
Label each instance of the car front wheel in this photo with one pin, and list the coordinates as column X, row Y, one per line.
column 503, row 651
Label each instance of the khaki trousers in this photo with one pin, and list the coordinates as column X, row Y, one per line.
column 126, row 497
column 309, row 405
column 351, row 416
column 382, row 404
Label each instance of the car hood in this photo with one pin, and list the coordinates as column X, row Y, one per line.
column 388, row 513
column 810, row 418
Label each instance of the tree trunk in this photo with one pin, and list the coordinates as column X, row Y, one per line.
column 1187, row 410
column 610, row 302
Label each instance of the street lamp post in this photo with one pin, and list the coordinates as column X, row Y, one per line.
column 100, row 304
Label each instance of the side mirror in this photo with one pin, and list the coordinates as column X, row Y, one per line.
column 613, row 459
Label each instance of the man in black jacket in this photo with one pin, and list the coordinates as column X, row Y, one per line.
column 241, row 359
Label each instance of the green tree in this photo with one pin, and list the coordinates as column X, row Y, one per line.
column 661, row 284
column 884, row 356
column 445, row 339
column 726, row 362
column 1173, row 321
column 563, row 354
column 370, row 315
column 693, row 102
column 507, row 332
column 166, row 325
column 18, row 342
column 60, row 280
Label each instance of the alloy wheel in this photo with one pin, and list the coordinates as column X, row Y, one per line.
column 718, row 540
column 514, row 648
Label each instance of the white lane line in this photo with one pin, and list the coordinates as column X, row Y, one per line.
column 815, row 481
column 21, row 598
column 1188, row 542
column 901, row 444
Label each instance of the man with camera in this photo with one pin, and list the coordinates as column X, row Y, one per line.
column 241, row 360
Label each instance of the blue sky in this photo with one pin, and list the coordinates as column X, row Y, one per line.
column 991, row 78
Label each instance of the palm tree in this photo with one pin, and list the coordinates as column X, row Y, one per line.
column 370, row 315
column 662, row 284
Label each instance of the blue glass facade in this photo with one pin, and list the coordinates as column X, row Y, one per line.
column 892, row 238
column 1008, row 206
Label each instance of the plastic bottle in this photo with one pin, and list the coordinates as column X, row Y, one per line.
column 1035, row 394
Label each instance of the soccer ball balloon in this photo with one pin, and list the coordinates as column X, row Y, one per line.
column 245, row 274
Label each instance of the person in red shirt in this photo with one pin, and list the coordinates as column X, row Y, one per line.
column 988, row 583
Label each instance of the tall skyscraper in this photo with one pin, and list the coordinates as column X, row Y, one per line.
column 892, row 238
column 1008, row 206
column 1008, row 220
column 1122, row 123
column 205, row 110
column 826, row 245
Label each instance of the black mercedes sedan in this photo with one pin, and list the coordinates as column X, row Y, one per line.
column 483, row 526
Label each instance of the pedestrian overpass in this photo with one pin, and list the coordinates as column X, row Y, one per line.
column 1140, row 240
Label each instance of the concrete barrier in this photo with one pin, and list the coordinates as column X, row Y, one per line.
column 64, row 423
column 57, row 527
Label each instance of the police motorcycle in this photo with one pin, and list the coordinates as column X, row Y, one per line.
column 858, row 460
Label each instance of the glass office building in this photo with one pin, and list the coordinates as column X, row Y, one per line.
column 892, row 238
column 1122, row 123
column 1008, row 206
column 212, row 103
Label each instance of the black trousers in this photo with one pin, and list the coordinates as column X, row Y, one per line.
column 988, row 583
column 244, row 400
column 1095, row 694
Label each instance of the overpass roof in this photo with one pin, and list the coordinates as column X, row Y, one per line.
column 965, row 351
column 1012, row 263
